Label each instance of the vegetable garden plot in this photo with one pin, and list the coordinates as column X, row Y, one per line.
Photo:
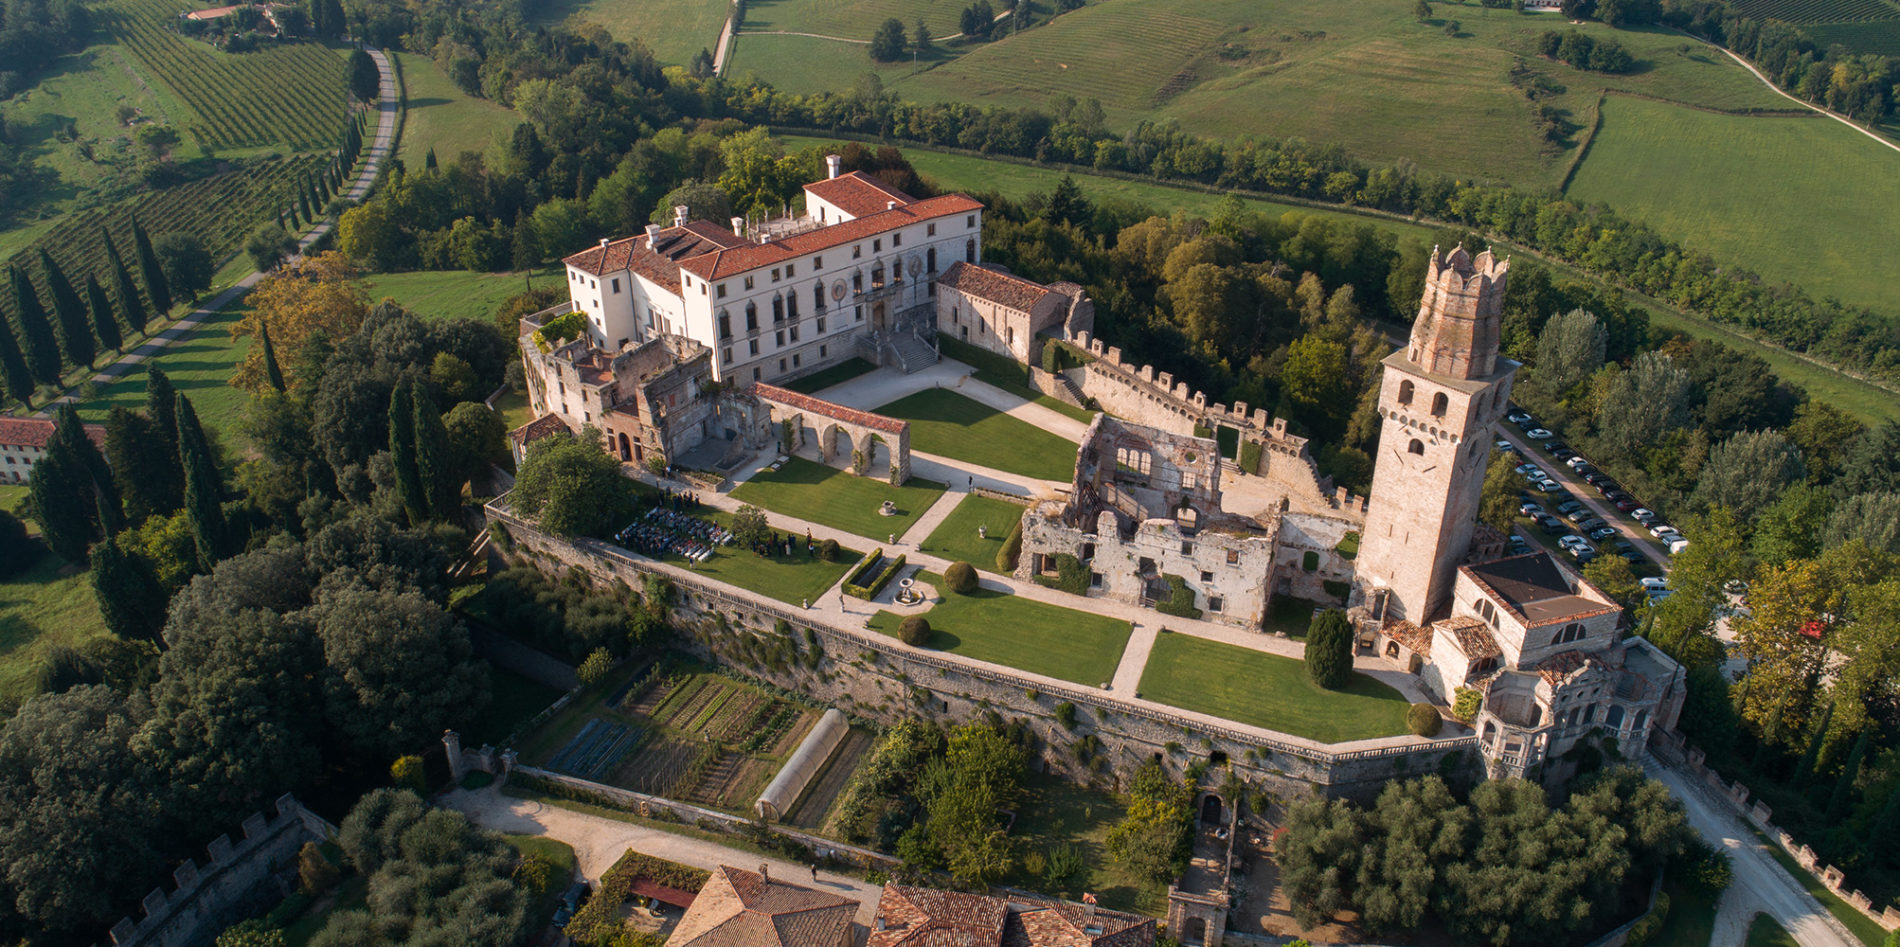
column 596, row 749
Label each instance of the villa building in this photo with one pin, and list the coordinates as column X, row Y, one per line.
column 23, row 442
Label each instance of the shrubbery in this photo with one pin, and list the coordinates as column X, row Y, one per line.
column 914, row 631
column 1329, row 649
column 1012, row 549
column 1180, row 602
column 960, row 577
column 1423, row 720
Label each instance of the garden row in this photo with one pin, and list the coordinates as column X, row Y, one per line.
column 293, row 94
column 1820, row 11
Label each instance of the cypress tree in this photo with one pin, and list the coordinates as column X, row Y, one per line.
column 129, row 599
column 1769, row 735
column 13, row 370
column 204, row 491
column 402, row 451
column 272, row 373
column 104, row 323
column 156, row 288
column 433, row 464
column 75, row 335
column 303, row 204
column 65, row 516
column 68, row 430
column 1886, row 831
column 428, row 160
column 134, row 448
column 1844, row 787
column 161, row 406
column 42, row 352
column 130, row 303
column 1813, row 752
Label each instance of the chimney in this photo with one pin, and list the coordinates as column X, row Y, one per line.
column 833, row 164
column 738, row 226
column 653, row 233
column 679, row 215
column 890, row 205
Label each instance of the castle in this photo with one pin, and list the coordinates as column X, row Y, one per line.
column 673, row 344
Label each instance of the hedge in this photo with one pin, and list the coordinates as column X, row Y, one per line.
column 1071, row 576
column 599, row 918
column 854, row 584
column 1012, row 549
column 1250, row 456
column 1181, row 603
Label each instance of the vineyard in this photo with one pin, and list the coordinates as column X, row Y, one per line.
column 1881, row 37
column 223, row 209
column 1820, row 11
column 683, row 734
column 293, row 94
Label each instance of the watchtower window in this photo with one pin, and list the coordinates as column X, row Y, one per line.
column 1571, row 632
column 969, row 251
column 1405, row 392
column 1439, row 403
column 1417, row 447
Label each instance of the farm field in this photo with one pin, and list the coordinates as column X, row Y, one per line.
column 438, row 115
column 836, row 498
column 1267, row 690
column 789, row 62
column 1881, row 37
column 1032, row 636
column 956, row 537
column 677, row 732
column 1818, row 11
column 449, row 294
column 675, row 30
column 1746, row 219
column 852, row 19
column 945, row 423
column 42, row 609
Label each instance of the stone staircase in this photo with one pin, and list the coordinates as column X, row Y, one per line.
column 913, row 353
column 1075, row 394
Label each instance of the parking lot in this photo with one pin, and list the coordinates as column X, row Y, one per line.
column 1593, row 500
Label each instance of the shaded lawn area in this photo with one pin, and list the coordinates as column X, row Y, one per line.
column 1291, row 615
column 1055, row 812
column 1267, row 690
column 835, row 375
column 1032, row 636
column 839, row 499
column 513, row 698
column 41, row 609
column 200, row 365
column 560, row 855
column 350, row 894
column 956, row 538
column 790, row 579
column 1764, row 931
column 1008, row 374
column 1691, row 918
column 947, row 424
column 450, row 294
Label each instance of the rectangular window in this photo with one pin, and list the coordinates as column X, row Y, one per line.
column 726, row 356
column 817, row 263
column 969, row 221
column 781, row 366
column 616, row 286
column 722, row 291
column 781, row 338
column 897, row 240
column 821, row 324
column 930, row 230
column 1207, row 576
column 791, row 270
column 794, row 333
column 794, row 361
column 1233, row 557
column 860, row 313
column 755, row 374
column 1095, row 580
column 748, row 282
column 752, row 348
column 821, row 352
column 1187, row 548
column 1214, row 603
column 877, row 246
column 857, row 250
column 775, row 274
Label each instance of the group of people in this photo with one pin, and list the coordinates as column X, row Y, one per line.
column 784, row 544
column 667, row 529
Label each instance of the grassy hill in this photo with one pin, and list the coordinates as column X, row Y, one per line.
column 440, row 116
column 674, row 29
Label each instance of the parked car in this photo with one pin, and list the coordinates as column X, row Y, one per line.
column 1506, row 446
column 1549, row 486
column 1530, row 509
column 1535, row 474
column 1583, row 554
column 1569, row 506
column 1607, row 487
column 1634, row 558
column 1537, row 434
column 1659, row 530
column 1654, row 582
column 1517, row 416
column 1554, row 445
column 1550, row 524
column 1576, row 462
column 571, row 902
column 1643, row 515
column 1625, row 504
column 1592, row 521
column 1602, row 532
column 1563, row 453
column 1657, row 595
column 1677, row 545
column 1579, row 514
column 1735, row 587
column 1593, row 476
column 1572, row 539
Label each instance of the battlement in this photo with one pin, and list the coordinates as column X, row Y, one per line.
column 1456, row 333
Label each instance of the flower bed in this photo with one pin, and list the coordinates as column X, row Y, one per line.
column 871, row 574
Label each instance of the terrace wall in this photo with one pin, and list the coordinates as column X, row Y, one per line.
column 875, row 678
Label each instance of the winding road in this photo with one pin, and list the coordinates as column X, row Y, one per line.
column 1804, row 103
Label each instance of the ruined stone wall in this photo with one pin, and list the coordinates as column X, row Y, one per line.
column 1233, row 568
column 1299, row 534
column 876, row 679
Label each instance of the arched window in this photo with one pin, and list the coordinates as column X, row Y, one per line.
column 1405, row 392
column 877, row 276
column 751, row 317
column 818, row 297
column 1614, row 716
column 778, row 309
column 1439, row 403
column 857, row 281
column 1642, row 717
column 897, row 271
column 969, row 250
column 1417, row 447
column 725, row 324
column 1570, row 632
column 791, row 305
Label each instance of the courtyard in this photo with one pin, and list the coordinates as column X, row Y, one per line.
column 957, row 538
column 947, row 424
column 1267, row 690
column 792, row 579
column 836, row 498
column 1002, row 628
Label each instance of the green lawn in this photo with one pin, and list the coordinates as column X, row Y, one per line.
column 443, row 117
column 349, row 895
column 674, row 30
column 200, row 366
column 947, row 424
column 512, row 700
column 835, row 375
column 514, row 409
column 1008, row 374
column 1691, row 920
column 41, row 609
column 1053, row 812
column 956, row 537
column 450, row 294
column 1032, row 636
column 1765, row 931
column 1267, row 690
column 557, row 852
column 854, row 19
column 1291, row 615
column 812, row 491
column 1745, row 219
column 791, row 579
column 811, row 64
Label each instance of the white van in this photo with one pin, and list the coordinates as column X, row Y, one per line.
column 1677, row 545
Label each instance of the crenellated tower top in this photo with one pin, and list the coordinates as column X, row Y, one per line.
column 1456, row 333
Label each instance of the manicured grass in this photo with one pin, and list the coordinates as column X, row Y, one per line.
column 557, row 852
column 1862, row 926
column 1765, row 931
column 42, row 609
column 443, row 117
column 811, row 64
column 956, row 538
column 450, row 294
column 199, row 365
column 1744, row 220
column 513, row 699
column 792, row 579
column 1691, row 920
column 835, row 375
column 1008, row 374
column 514, row 409
column 12, row 495
column 1267, row 690
column 675, row 30
column 947, row 424
column 1032, row 636
column 836, row 498
column 1054, row 811
column 1291, row 615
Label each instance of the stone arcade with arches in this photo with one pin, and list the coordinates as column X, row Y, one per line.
column 869, row 445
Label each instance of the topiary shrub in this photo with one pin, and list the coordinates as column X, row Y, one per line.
column 1423, row 720
column 914, row 631
column 828, row 550
column 960, row 577
column 1465, row 703
column 1329, row 649
column 1012, row 549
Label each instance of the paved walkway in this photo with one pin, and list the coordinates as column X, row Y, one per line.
column 379, row 150
column 1761, row 884
column 873, row 390
column 599, row 842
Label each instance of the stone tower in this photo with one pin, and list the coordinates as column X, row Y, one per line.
column 1438, row 401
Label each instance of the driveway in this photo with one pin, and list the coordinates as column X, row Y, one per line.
column 1628, row 528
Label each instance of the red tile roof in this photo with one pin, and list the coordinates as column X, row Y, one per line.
column 659, row 264
column 926, row 917
column 1004, row 289
column 1415, row 639
column 827, row 409
column 35, row 432
column 725, row 263
column 1472, row 636
column 857, row 193
column 539, row 428
column 740, row 908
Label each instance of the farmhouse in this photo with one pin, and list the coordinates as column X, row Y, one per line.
column 928, row 917
column 23, row 442
column 740, row 908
